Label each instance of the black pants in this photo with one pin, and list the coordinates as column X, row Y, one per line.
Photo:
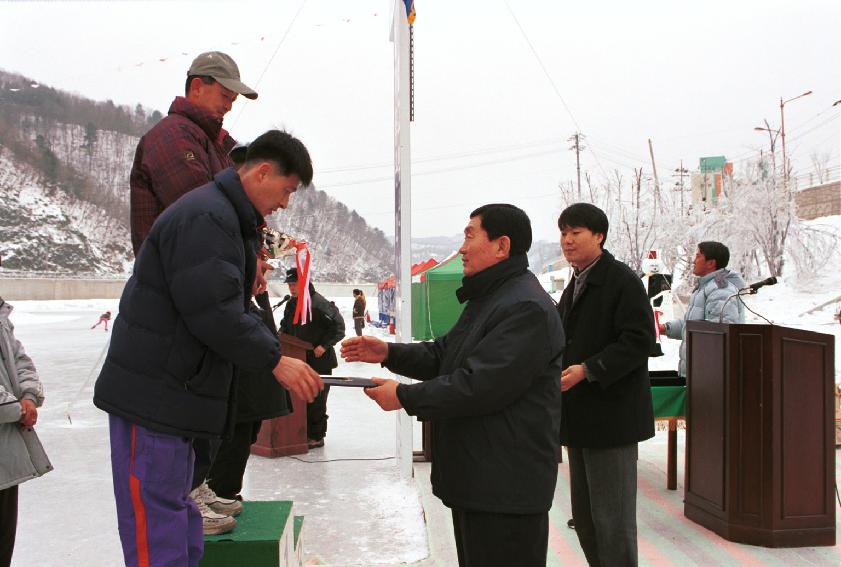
column 225, row 476
column 205, row 451
column 8, row 523
column 486, row 539
column 317, row 415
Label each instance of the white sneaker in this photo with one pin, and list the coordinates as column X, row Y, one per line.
column 225, row 506
column 213, row 523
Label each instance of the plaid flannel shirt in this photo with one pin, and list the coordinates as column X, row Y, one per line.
column 183, row 151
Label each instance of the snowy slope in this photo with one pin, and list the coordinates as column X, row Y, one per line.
column 41, row 225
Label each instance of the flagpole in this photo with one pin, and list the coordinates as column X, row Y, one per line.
column 402, row 214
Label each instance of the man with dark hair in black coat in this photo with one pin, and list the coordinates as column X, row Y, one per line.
column 490, row 388
column 607, row 407
column 184, row 325
column 326, row 328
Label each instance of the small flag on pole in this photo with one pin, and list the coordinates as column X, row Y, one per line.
column 410, row 11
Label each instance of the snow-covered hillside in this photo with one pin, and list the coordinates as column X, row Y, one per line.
column 42, row 226
column 64, row 187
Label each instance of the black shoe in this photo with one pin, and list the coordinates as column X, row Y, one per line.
column 571, row 524
column 315, row 443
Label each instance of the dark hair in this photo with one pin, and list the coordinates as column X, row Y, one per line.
column 204, row 79
column 284, row 150
column 502, row 219
column 715, row 251
column 238, row 154
column 585, row 215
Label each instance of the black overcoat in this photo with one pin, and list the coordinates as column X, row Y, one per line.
column 610, row 328
column 259, row 395
column 326, row 329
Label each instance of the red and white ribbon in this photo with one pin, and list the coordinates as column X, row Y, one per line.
column 303, row 259
column 657, row 314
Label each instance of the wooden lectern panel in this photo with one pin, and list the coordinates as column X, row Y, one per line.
column 705, row 445
column 803, row 433
column 286, row 435
column 760, row 463
column 746, row 414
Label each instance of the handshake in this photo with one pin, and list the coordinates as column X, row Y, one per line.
column 297, row 376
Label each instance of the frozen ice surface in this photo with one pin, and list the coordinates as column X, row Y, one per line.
column 358, row 509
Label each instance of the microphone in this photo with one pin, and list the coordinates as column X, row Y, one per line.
column 755, row 286
column 286, row 298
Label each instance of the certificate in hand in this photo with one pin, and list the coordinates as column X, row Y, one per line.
column 348, row 381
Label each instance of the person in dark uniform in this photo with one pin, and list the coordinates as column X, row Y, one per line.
column 359, row 304
column 326, row 328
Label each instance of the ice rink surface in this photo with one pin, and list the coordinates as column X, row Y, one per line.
column 358, row 509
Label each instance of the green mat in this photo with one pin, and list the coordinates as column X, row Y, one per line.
column 669, row 401
column 260, row 539
column 299, row 524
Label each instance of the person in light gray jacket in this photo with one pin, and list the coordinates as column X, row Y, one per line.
column 21, row 455
column 715, row 286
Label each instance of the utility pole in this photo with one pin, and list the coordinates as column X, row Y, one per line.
column 576, row 140
column 656, row 181
column 783, row 137
column 681, row 172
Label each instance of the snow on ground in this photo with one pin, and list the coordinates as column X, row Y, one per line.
column 358, row 509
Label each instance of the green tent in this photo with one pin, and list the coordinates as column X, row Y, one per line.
column 435, row 308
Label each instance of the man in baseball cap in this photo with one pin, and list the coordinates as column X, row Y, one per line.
column 189, row 146
column 220, row 67
column 184, row 151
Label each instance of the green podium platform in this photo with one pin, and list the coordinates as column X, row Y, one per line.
column 266, row 535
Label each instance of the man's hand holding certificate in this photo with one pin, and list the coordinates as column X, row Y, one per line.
column 373, row 350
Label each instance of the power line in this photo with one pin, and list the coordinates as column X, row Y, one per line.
column 442, row 169
column 551, row 81
column 271, row 59
column 445, row 157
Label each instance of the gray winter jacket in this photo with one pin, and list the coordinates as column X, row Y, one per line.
column 706, row 303
column 21, row 455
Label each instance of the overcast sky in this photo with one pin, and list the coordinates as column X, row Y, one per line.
column 499, row 86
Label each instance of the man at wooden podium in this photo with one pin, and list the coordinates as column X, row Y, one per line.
column 711, row 300
column 607, row 407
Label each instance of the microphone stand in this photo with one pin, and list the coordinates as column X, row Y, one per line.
column 739, row 294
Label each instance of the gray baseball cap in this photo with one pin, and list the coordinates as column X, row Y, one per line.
column 223, row 69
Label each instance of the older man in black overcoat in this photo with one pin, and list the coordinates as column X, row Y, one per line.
column 490, row 388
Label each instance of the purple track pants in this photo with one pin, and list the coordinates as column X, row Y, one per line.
column 159, row 524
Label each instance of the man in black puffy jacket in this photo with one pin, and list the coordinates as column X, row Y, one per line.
column 326, row 328
column 490, row 388
column 184, row 324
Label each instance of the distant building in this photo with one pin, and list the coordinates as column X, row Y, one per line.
column 707, row 181
column 558, row 263
column 819, row 201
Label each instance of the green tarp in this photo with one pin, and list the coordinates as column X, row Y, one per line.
column 669, row 401
column 435, row 308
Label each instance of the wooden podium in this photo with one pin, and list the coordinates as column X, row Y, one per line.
column 760, row 458
column 286, row 435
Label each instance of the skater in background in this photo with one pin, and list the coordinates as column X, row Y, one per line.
column 104, row 318
column 359, row 305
